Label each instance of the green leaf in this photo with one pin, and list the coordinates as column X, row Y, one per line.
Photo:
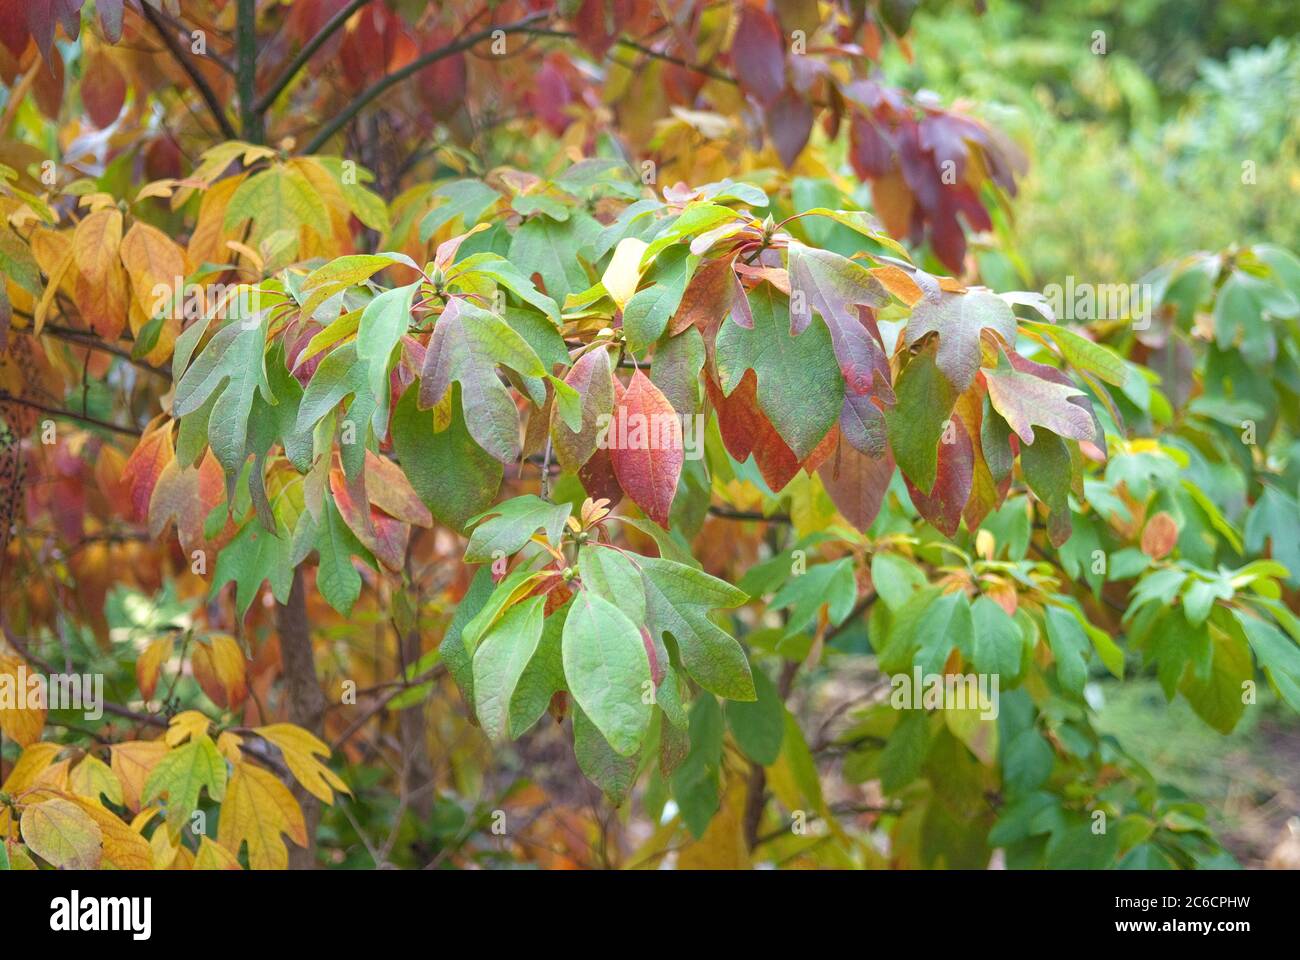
column 647, row 314
column 511, row 524
column 181, row 773
column 824, row 584
column 468, row 199
column 455, row 655
column 678, row 598
column 610, row 574
column 1046, row 463
column 600, row 762
column 499, row 662
column 502, row 271
column 279, row 198
column 998, row 644
column 542, row 678
column 958, row 319
column 550, row 248
column 607, row 670
column 925, row 400
column 383, row 322
column 1069, row 647
column 1276, row 653
column 697, row 782
column 800, row 387
column 452, row 474
column 231, row 368
column 759, row 725
column 337, row 579
column 1083, row 353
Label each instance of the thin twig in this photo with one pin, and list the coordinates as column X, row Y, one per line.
column 200, row 83
column 308, row 50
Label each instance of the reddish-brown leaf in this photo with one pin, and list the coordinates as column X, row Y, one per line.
column 1160, row 536
column 942, row 507
column 857, row 483
column 645, row 446
column 145, row 466
column 758, row 55
column 103, row 89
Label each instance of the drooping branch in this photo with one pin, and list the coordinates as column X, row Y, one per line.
column 415, row 66
column 200, row 83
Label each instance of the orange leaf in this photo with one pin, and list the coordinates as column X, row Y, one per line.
column 1160, row 536
column 147, row 461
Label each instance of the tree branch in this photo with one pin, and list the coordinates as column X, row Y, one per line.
column 6, row 397
column 415, row 66
column 200, row 84
column 84, row 338
column 309, row 49
column 708, row 71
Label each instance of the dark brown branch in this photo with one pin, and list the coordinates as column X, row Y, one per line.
column 281, row 82
column 84, row 338
column 726, row 513
column 6, row 397
column 415, row 66
column 708, row 71
column 204, row 88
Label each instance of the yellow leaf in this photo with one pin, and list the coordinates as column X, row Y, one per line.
column 124, row 849
column 133, row 761
column 213, row 856
column 624, row 270
column 21, row 724
column 258, row 809
column 31, row 763
column 93, row 777
column 228, row 745
column 188, row 723
column 100, row 285
column 723, row 845
column 162, row 849
column 150, row 663
column 62, row 834
column 219, row 666
column 299, row 748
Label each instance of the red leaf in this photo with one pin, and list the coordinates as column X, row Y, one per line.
column 442, row 84
column 789, row 122
column 41, row 15
column 103, row 89
column 645, row 446
column 758, row 55
column 746, row 430
column 707, row 298
column 13, row 28
column 857, row 483
column 144, row 466
column 952, row 485
column 870, row 152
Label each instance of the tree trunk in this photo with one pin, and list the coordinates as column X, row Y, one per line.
column 305, row 701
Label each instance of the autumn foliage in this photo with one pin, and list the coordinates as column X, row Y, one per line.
column 451, row 396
